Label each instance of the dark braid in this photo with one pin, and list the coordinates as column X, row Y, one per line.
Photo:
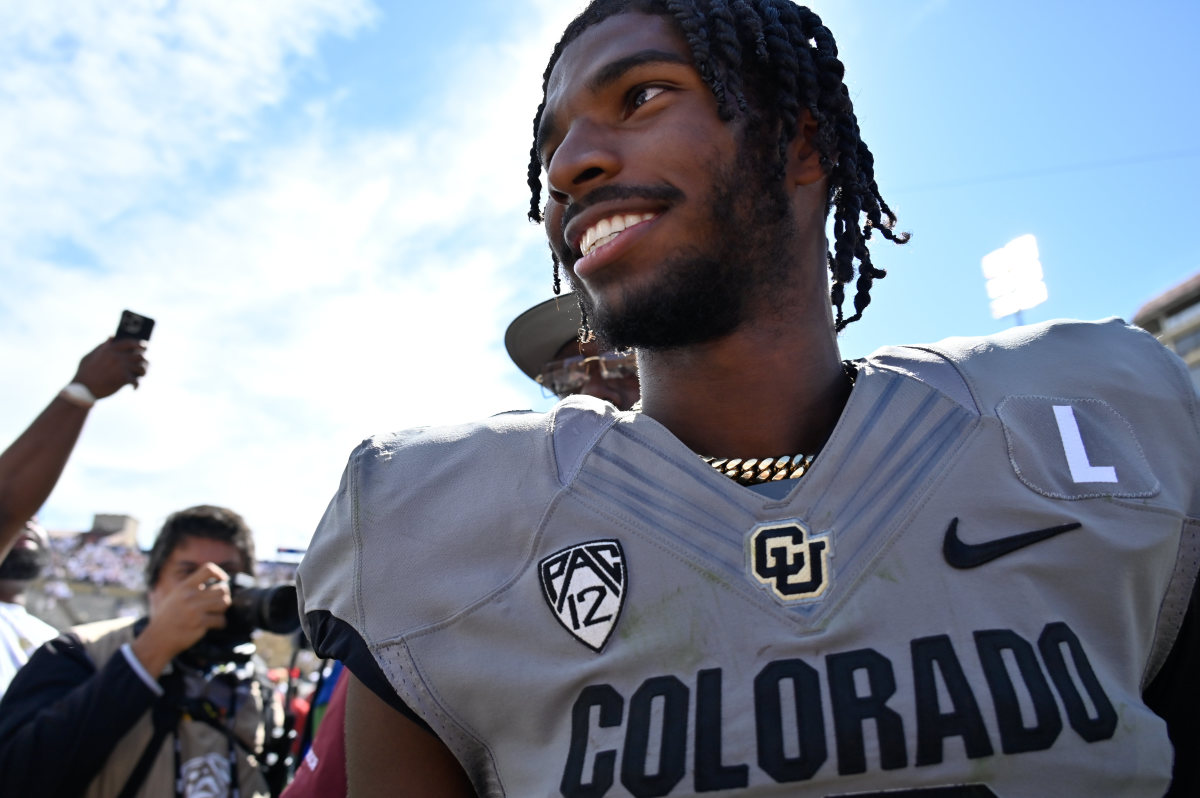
column 781, row 52
column 727, row 51
column 771, row 61
column 697, row 39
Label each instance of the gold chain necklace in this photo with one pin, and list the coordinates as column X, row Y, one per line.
column 755, row 471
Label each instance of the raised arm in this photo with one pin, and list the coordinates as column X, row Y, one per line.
column 390, row 756
column 31, row 465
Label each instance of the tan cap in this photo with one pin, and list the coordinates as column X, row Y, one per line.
column 536, row 335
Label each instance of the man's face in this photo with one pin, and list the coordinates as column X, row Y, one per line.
column 28, row 555
column 191, row 553
column 667, row 222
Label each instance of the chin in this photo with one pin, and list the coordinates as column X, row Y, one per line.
column 690, row 300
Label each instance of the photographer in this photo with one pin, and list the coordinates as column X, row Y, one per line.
column 165, row 705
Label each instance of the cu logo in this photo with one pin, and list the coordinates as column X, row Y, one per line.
column 787, row 559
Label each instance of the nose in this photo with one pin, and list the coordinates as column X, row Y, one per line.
column 586, row 157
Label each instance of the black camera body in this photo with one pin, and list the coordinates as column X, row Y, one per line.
column 272, row 609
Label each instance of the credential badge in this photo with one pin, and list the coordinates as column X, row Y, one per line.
column 789, row 560
column 585, row 586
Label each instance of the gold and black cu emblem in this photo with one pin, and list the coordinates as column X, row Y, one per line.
column 786, row 558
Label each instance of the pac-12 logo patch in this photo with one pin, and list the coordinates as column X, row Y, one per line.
column 786, row 558
column 585, row 586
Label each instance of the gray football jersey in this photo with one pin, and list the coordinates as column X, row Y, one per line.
column 969, row 590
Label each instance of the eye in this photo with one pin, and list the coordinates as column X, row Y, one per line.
column 641, row 95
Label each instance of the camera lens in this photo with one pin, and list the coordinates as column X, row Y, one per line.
column 273, row 609
column 277, row 610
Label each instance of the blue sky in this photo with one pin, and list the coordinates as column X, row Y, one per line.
column 322, row 203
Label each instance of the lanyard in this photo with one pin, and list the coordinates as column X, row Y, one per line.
column 231, row 751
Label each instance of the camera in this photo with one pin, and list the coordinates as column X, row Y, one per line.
column 272, row 609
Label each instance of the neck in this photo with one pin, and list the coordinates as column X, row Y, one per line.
column 766, row 390
column 12, row 591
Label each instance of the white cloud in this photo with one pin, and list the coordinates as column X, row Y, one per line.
column 104, row 98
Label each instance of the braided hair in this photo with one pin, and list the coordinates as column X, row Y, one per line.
column 776, row 59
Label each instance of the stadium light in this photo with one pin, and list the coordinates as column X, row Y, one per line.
column 1014, row 278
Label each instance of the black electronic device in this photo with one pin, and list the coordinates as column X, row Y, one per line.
column 134, row 325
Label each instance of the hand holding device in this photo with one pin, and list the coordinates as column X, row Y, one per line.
column 117, row 361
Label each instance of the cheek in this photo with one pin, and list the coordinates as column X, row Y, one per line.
column 553, row 219
column 554, row 232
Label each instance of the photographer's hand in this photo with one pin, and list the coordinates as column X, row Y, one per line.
column 194, row 606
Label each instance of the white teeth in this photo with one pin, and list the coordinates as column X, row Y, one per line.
column 608, row 229
column 602, row 240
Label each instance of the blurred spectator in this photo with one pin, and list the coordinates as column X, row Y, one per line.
column 21, row 632
column 29, row 469
column 104, row 565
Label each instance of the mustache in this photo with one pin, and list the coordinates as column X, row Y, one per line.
column 609, row 193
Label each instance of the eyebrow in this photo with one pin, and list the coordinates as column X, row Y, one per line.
column 227, row 566
column 605, row 77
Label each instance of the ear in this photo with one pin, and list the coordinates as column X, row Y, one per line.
column 804, row 161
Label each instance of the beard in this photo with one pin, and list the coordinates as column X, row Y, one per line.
column 708, row 288
column 23, row 564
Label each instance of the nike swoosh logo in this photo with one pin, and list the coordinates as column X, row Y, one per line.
column 973, row 555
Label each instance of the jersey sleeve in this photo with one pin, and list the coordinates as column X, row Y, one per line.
column 424, row 525
column 1107, row 362
column 330, row 609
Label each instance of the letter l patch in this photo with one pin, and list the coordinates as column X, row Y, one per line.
column 1077, row 459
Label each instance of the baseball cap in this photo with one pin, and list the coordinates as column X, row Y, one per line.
column 533, row 338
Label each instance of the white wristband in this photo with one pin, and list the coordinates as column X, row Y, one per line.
column 78, row 394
